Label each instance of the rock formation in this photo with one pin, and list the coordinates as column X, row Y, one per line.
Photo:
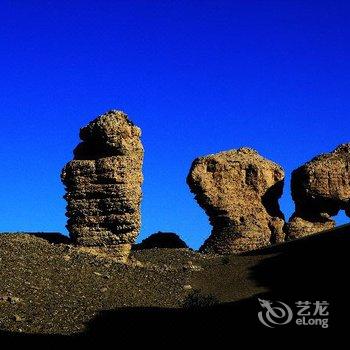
column 162, row 240
column 239, row 191
column 103, row 183
column 320, row 188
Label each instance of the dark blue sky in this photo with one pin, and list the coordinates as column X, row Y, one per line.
column 197, row 76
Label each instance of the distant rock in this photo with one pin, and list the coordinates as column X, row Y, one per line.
column 162, row 240
column 320, row 189
column 52, row 237
column 239, row 191
column 103, row 183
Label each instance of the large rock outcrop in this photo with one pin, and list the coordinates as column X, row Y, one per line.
column 103, row 183
column 320, row 188
column 239, row 191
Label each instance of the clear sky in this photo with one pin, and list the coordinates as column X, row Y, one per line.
column 197, row 76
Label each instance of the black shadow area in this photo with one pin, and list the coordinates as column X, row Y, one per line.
column 313, row 268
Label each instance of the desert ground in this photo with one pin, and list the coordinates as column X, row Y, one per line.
column 50, row 288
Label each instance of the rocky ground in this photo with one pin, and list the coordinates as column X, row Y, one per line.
column 49, row 287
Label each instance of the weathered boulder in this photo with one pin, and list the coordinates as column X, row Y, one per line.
column 103, row 183
column 162, row 240
column 239, row 191
column 320, row 188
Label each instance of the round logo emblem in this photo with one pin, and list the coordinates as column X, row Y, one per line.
column 274, row 314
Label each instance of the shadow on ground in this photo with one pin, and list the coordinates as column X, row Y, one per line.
column 309, row 269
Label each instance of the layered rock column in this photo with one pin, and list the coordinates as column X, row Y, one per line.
column 320, row 188
column 239, row 191
column 103, row 183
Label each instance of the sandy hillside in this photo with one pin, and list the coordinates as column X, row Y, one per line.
column 49, row 287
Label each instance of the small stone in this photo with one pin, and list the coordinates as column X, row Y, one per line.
column 14, row 300
column 187, row 287
column 104, row 290
column 136, row 263
column 19, row 318
column 194, row 267
column 66, row 257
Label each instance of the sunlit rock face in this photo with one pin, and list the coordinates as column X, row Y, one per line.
column 239, row 191
column 320, row 189
column 103, row 183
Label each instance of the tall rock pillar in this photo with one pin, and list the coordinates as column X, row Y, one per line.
column 103, row 183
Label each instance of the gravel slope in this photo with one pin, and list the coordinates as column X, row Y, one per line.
column 56, row 288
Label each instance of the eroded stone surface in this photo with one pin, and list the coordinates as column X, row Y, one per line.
column 239, row 191
column 320, row 188
column 103, row 183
